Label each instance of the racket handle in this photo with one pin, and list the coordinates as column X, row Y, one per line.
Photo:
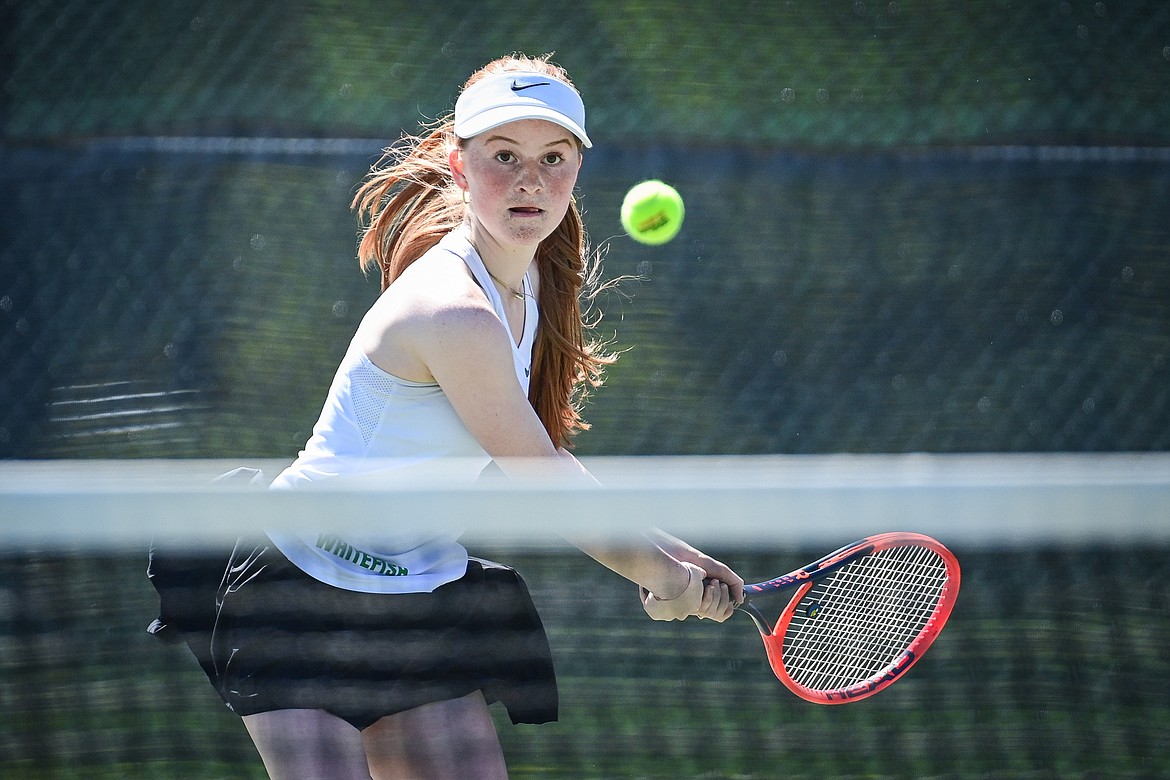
column 749, row 609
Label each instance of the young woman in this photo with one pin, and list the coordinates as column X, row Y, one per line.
column 377, row 657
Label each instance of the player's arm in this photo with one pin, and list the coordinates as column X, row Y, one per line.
column 712, row 568
column 434, row 324
column 469, row 356
column 467, row 353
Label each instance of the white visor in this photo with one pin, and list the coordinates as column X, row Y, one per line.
column 514, row 95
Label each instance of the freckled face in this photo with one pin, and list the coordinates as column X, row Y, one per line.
column 520, row 178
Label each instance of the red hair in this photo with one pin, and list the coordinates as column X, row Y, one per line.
column 409, row 202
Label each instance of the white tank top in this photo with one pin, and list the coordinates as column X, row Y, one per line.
column 376, row 424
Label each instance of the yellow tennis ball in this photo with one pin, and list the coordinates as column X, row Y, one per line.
column 652, row 212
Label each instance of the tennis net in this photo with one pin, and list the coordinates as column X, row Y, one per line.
column 1053, row 663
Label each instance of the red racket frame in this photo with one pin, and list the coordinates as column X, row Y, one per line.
column 804, row 578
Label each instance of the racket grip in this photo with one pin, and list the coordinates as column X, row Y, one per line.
column 749, row 609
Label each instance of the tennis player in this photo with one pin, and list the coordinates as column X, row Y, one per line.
column 378, row 657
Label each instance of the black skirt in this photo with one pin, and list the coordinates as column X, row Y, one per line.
column 270, row 637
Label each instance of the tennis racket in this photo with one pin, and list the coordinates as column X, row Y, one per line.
column 860, row 617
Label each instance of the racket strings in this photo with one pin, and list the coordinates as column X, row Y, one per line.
column 875, row 621
column 852, row 625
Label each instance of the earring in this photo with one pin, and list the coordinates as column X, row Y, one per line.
column 466, row 197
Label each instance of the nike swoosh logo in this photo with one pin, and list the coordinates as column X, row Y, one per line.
column 517, row 86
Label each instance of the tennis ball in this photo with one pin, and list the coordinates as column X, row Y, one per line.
column 652, row 212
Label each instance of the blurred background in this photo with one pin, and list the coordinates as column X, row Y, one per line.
column 912, row 227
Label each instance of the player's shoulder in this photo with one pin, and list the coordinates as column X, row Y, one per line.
column 439, row 292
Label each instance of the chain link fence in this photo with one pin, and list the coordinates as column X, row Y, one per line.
column 840, row 74
column 911, row 226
